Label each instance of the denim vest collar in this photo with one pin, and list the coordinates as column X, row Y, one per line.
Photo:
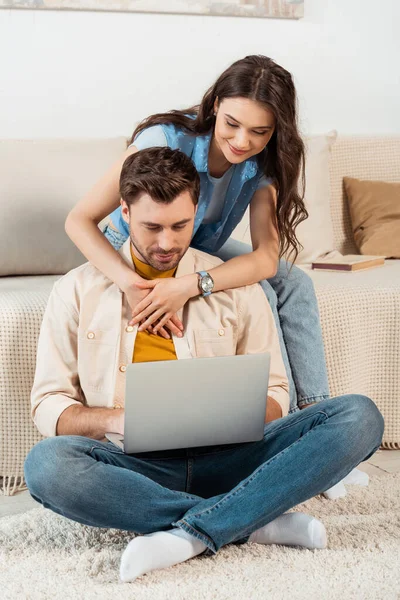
column 201, row 149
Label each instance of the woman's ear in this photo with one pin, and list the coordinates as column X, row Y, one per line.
column 216, row 104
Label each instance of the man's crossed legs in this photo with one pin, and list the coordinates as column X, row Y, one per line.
column 213, row 495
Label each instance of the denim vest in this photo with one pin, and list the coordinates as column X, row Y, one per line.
column 209, row 237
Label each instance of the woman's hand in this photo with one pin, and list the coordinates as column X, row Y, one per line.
column 137, row 292
column 164, row 298
column 135, row 295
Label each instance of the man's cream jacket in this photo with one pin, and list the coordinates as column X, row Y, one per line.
column 85, row 342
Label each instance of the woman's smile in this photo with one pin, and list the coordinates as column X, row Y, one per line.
column 236, row 150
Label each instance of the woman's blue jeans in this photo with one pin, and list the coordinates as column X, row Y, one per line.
column 219, row 494
column 294, row 305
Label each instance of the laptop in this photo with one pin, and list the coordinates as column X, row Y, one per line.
column 194, row 402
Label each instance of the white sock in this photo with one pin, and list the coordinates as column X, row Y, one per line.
column 355, row 477
column 158, row 550
column 336, row 491
column 292, row 529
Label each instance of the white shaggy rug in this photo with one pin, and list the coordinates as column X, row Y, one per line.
column 46, row 556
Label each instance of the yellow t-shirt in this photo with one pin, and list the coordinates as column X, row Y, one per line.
column 150, row 347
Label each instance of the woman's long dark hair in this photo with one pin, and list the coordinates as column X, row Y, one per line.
column 260, row 79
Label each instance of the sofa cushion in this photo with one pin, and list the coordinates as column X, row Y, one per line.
column 375, row 158
column 41, row 180
column 316, row 232
column 375, row 215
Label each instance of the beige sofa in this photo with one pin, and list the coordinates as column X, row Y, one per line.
column 360, row 312
column 43, row 179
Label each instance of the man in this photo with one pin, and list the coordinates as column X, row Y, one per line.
column 187, row 501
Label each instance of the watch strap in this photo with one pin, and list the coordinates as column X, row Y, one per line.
column 203, row 274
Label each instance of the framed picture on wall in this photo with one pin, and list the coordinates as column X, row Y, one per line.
column 278, row 9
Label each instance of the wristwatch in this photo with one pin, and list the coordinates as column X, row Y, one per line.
column 206, row 283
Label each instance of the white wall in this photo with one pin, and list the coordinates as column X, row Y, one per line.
column 95, row 74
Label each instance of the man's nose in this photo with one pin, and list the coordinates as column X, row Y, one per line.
column 166, row 240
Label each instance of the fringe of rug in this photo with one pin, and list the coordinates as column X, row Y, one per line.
column 10, row 484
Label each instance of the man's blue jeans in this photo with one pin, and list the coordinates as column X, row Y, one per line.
column 219, row 494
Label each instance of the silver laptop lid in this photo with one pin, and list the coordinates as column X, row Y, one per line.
column 195, row 402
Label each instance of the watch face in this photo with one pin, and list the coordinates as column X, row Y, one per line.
column 207, row 283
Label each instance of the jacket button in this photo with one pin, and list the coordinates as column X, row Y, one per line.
column 129, row 329
column 221, row 332
column 122, row 368
column 91, row 335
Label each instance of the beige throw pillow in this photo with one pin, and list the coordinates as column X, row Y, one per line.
column 375, row 216
column 316, row 232
column 40, row 181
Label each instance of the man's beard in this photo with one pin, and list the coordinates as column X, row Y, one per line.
column 150, row 258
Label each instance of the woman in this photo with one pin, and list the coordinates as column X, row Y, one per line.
column 244, row 141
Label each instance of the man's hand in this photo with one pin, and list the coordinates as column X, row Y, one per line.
column 118, row 421
column 90, row 421
column 274, row 410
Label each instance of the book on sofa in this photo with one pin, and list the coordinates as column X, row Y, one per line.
column 348, row 262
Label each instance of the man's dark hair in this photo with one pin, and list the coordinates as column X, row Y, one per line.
column 161, row 173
